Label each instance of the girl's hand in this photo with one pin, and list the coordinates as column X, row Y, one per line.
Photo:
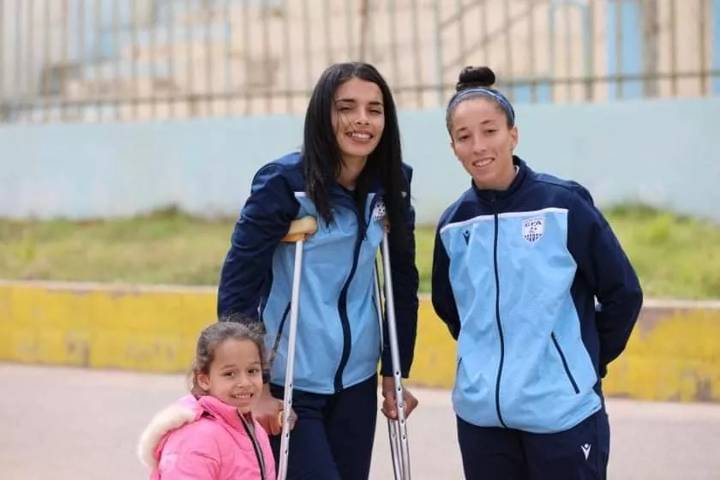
column 389, row 406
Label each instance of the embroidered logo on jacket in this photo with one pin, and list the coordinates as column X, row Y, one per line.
column 379, row 211
column 533, row 229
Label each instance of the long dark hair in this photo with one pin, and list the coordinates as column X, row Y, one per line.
column 322, row 161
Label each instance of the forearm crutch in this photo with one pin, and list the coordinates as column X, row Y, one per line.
column 299, row 231
column 397, row 429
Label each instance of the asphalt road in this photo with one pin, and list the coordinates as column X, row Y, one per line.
column 64, row 423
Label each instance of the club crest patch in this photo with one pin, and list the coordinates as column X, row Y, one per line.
column 378, row 211
column 533, row 229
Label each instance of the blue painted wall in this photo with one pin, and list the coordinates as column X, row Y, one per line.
column 662, row 152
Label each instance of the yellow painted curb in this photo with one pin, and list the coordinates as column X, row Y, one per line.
column 148, row 329
column 673, row 354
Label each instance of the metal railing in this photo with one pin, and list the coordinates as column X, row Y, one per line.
column 119, row 60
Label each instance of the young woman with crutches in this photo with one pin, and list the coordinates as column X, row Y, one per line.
column 350, row 178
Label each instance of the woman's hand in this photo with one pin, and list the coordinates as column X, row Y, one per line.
column 268, row 411
column 389, row 406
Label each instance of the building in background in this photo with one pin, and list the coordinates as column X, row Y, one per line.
column 101, row 60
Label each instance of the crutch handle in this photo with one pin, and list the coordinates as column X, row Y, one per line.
column 300, row 229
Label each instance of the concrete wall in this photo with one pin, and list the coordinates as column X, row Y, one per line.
column 661, row 152
column 673, row 353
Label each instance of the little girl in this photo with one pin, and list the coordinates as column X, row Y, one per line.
column 210, row 434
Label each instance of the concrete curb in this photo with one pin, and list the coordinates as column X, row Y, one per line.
column 673, row 354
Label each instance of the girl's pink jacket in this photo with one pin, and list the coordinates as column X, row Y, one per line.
column 203, row 439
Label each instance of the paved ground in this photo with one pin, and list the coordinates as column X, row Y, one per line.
column 63, row 423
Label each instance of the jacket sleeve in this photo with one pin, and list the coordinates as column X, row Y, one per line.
column 405, row 287
column 189, row 455
column 604, row 265
column 190, row 465
column 263, row 222
column 443, row 298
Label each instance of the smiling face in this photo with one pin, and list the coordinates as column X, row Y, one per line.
column 235, row 375
column 483, row 143
column 358, row 119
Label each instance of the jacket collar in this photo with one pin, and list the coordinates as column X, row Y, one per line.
column 375, row 186
column 495, row 195
column 218, row 409
column 342, row 196
column 186, row 410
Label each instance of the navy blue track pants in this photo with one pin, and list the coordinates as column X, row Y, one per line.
column 333, row 436
column 580, row 453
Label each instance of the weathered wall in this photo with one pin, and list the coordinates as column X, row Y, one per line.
column 673, row 354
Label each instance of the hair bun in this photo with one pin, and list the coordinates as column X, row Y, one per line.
column 475, row 77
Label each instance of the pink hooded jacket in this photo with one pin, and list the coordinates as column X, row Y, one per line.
column 203, row 439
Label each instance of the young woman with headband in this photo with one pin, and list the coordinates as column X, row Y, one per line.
column 520, row 260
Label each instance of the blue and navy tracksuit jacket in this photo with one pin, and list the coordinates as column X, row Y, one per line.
column 339, row 337
column 516, row 276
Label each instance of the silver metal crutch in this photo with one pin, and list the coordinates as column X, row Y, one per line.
column 397, row 429
column 299, row 231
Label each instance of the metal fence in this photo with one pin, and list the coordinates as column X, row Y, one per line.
column 105, row 60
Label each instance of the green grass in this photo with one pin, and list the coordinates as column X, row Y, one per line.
column 676, row 257
column 162, row 247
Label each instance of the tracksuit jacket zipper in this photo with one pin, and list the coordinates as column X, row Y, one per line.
column 342, row 301
column 344, row 321
column 497, row 318
column 250, row 430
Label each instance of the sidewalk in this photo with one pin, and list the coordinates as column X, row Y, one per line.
column 65, row 423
